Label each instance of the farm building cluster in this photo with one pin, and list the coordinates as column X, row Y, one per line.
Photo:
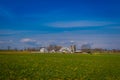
column 71, row 49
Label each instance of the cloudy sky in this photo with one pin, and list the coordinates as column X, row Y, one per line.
column 33, row 23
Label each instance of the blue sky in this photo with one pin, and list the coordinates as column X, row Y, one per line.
column 33, row 23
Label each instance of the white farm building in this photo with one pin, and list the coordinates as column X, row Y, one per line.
column 43, row 50
column 65, row 50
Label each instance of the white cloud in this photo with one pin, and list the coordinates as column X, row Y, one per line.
column 6, row 42
column 27, row 40
column 79, row 24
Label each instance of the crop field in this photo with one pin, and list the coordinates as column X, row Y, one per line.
column 59, row 66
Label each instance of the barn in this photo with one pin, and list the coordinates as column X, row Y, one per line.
column 43, row 50
column 65, row 50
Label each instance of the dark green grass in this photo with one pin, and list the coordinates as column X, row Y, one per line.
column 59, row 67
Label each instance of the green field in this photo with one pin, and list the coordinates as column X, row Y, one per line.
column 59, row 67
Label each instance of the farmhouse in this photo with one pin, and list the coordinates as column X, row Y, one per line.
column 52, row 51
column 65, row 50
column 43, row 50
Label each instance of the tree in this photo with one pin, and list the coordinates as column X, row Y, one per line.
column 53, row 47
column 86, row 48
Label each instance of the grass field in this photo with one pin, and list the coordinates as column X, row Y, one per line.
column 59, row 67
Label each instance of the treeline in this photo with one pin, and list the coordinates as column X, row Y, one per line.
column 84, row 48
column 49, row 48
column 100, row 50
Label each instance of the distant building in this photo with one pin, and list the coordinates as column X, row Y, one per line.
column 43, row 50
column 52, row 51
column 65, row 50
column 73, row 48
column 78, row 51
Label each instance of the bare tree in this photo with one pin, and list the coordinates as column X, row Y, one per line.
column 54, row 47
column 86, row 48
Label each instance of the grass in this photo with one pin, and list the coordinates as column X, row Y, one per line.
column 59, row 67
